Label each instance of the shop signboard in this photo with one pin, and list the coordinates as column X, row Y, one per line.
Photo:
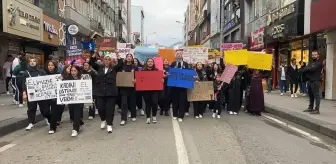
column 51, row 28
column 257, row 39
column 22, row 18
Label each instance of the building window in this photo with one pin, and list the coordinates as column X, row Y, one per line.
column 50, row 6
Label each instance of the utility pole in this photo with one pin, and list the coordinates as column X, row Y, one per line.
column 221, row 27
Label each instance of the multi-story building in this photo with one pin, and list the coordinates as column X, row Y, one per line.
column 123, row 21
column 186, row 27
column 137, row 25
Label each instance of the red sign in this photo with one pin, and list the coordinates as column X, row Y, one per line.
column 106, row 44
column 149, row 80
column 257, row 39
column 321, row 14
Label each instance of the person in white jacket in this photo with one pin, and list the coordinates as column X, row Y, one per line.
column 15, row 63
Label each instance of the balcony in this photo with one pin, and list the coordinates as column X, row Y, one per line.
column 72, row 16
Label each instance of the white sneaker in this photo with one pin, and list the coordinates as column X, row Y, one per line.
column 30, row 127
column 154, row 120
column 51, row 132
column 96, row 112
column 90, row 118
column 46, row 120
column 186, row 114
column 180, row 120
column 218, row 116
column 235, row 113
column 122, row 123
column 295, row 95
column 102, row 125
column 281, row 94
column 109, row 129
column 213, row 115
column 292, row 95
column 200, row 116
column 230, row 113
column 142, row 112
column 20, row 105
column 133, row 119
column 129, row 116
column 148, row 121
column 15, row 102
column 74, row 133
column 174, row 118
column 196, row 117
column 8, row 93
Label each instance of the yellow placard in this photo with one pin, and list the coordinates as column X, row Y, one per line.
column 236, row 57
column 213, row 52
column 259, row 61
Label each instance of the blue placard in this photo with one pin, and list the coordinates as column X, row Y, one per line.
column 181, row 78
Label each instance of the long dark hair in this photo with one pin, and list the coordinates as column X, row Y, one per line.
column 23, row 63
column 139, row 64
column 125, row 62
column 79, row 74
column 145, row 67
column 55, row 65
column 64, row 73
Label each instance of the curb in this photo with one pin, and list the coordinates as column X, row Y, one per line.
column 303, row 120
column 16, row 123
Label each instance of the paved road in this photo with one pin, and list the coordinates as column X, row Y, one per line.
column 241, row 139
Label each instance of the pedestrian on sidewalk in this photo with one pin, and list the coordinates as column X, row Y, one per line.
column 7, row 72
column 90, row 74
column 313, row 74
column 283, row 75
column 33, row 71
column 302, row 79
column 17, row 95
column 292, row 75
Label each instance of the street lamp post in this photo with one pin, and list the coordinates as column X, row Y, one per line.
column 148, row 35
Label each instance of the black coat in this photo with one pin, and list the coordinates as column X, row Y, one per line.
column 175, row 65
column 126, row 91
column 105, row 83
column 292, row 74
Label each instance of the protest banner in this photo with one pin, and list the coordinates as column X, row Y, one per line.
column 125, row 79
column 158, row 63
column 236, row 57
column 144, row 53
column 260, row 61
column 228, row 73
column 86, row 77
column 168, row 54
column 74, row 91
column 124, row 49
column 149, row 80
column 232, row 46
column 106, row 44
column 196, row 54
column 42, row 87
column 202, row 91
column 181, row 78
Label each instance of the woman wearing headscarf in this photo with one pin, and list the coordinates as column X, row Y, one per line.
column 255, row 103
column 107, row 90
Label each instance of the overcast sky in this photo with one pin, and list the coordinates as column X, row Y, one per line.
column 161, row 17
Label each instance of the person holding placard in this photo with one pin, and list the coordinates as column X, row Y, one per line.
column 139, row 93
column 128, row 94
column 66, row 74
column 78, row 107
column 180, row 98
column 107, row 91
column 219, row 97
column 151, row 97
column 33, row 71
column 90, row 73
column 199, row 106
column 165, row 97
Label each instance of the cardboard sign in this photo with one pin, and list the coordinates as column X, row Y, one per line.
column 74, row 91
column 42, row 87
column 158, row 63
column 106, row 44
column 125, row 79
column 228, row 73
column 203, row 91
column 196, row 54
column 181, row 78
column 149, row 80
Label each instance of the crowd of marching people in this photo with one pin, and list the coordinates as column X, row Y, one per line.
column 244, row 91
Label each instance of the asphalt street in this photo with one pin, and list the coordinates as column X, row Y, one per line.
column 241, row 139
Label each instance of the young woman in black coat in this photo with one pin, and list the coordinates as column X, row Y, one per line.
column 139, row 93
column 90, row 73
column 165, row 99
column 107, row 91
column 128, row 94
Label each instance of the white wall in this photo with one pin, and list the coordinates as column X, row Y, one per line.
column 307, row 17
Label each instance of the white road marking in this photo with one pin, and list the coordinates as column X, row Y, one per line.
column 8, row 146
column 182, row 155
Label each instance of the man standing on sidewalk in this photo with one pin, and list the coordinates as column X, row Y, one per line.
column 313, row 74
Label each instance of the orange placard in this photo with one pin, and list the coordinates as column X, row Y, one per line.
column 167, row 54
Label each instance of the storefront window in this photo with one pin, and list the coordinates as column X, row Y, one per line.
column 300, row 51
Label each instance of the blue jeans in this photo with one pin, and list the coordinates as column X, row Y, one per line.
column 282, row 86
column 303, row 87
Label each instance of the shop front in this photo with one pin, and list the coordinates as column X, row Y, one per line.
column 283, row 33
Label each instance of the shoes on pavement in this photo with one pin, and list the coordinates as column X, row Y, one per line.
column 30, row 127
column 295, row 95
column 235, row 113
column 148, row 121
column 230, row 113
column 74, row 133
column 174, row 118
column 122, row 123
column 308, row 110
column 129, row 116
column 47, row 121
column 315, row 112
column 213, row 115
column 51, row 131
column 200, row 116
column 20, row 105
column 154, row 120
column 292, row 95
column 96, row 112
column 133, row 119
column 180, row 120
column 142, row 112
column 102, row 125
column 186, row 114
column 218, row 116
column 281, row 94
column 196, row 117
column 90, row 118
column 109, row 128
column 8, row 93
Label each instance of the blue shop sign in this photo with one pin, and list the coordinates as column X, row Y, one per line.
column 229, row 25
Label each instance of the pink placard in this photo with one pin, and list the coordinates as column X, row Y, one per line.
column 228, row 73
column 232, row 46
column 158, row 63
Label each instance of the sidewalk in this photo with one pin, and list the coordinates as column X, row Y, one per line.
column 291, row 109
column 12, row 117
